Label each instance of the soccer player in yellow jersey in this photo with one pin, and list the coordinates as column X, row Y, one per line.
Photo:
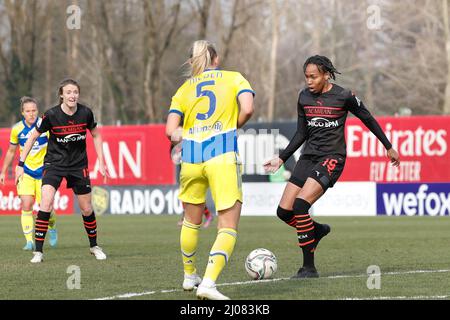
column 29, row 187
column 213, row 103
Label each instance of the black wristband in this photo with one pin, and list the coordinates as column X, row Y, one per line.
column 21, row 163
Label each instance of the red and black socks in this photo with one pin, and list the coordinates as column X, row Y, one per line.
column 40, row 229
column 287, row 216
column 305, row 231
column 90, row 224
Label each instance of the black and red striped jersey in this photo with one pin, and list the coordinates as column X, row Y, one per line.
column 67, row 139
column 321, row 123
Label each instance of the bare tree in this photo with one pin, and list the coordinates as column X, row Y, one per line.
column 18, row 51
column 202, row 9
column 273, row 58
column 446, row 105
column 113, row 34
column 128, row 54
column 160, row 26
column 48, row 54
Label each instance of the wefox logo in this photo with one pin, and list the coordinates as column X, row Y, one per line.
column 71, row 137
column 319, row 122
column 413, row 199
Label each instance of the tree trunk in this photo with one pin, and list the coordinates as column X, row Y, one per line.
column 317, row 29
column 446, row 108
column 368, row 74
column 229, row 36
column 48, row 57
column 273, row 60
column 204, row 17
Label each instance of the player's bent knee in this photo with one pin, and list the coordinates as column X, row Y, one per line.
column 87, row 211
column 285, row 215
column 27, row 205
column 46, row 205
column 301, row 205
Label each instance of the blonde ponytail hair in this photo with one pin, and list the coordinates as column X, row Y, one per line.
column 203, row 54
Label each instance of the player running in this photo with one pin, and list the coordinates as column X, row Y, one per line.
column 29, row 186
column 175, row 154
column 213, row 103
column 322, row 111
column 67, row 124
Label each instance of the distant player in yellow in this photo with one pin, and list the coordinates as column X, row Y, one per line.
column 29, row 187
column 214, row 103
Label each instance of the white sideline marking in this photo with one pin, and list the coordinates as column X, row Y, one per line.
column 400, row 298
column 146, row 293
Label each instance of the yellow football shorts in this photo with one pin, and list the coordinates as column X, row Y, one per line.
column 222, row 174
column 29, row 186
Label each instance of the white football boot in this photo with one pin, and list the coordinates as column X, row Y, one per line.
column 38, row 257
column 191, row 281
column 98, row 253
column 207, row 291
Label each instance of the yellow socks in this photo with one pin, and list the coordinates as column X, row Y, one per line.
column 220, row 253
column 27, row 224
column 188, row 243
column 52, row 221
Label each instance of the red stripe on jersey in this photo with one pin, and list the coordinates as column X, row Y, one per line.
column 321, row 107
column 324, row 115
column 66, row 133
column 70, row 126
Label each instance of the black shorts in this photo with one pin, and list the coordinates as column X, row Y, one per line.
column 78, row 180
column 325, row 170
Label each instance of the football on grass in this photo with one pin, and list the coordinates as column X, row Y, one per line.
column 261, row 264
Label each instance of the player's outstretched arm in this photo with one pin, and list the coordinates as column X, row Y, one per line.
column 357, row 107
column 7, row 162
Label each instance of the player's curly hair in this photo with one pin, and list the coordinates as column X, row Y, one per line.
column 323, row 63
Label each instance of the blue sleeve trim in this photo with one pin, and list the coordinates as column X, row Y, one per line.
column 246, row 90
column 177, row 112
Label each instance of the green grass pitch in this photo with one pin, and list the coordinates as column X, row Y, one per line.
column 144, row 260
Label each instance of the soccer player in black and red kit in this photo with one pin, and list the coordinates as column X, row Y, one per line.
column 66, row 157
column 322, row 110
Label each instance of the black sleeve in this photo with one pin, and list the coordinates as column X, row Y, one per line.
column 355, row 106
column 91, row 123
column 44, row 125
column 299, row 137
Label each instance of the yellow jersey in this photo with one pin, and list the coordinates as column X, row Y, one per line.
column 208, row 104
column 34, row 163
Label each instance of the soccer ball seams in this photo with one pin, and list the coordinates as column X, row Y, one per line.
column 261, row 264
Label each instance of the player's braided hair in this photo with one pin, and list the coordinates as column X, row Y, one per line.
column 323, row 63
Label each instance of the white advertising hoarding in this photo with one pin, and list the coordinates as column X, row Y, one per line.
column 261, row 198
column 347, row 199
column 344, row 199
